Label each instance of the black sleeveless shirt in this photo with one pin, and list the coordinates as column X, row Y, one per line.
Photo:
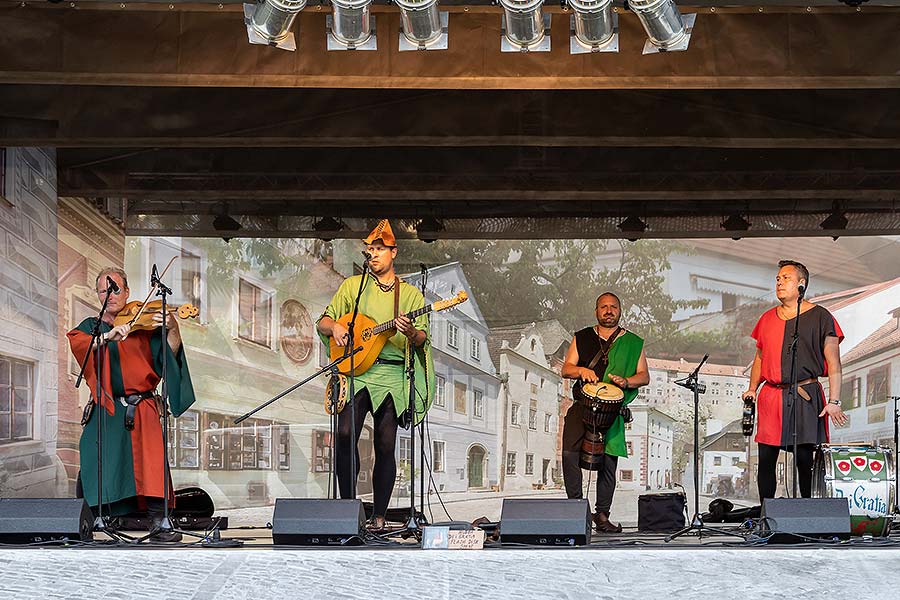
column 588, row 343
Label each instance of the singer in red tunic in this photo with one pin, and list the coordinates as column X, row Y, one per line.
column 818, row 356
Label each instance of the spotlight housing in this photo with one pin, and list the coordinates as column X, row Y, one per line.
column 327, row 225
column 428, row 228
column 421, row 22
column 632, row 224
column 524, row 24
column 735, row 223
column 666, row 29
column 595, row 22
column 270, row 21
column 351, row 22
column 836, row 220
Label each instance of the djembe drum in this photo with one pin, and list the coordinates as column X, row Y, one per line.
column 603, row 404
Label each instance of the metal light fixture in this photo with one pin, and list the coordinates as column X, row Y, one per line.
column 525, row 26
column 594, row 25
column 269, row 22
column 351, row 26
column 327, row 226
column 735, row 223
column 632, row 224
column 666, row 29
column 428, row 228
column 227, row 223
column 423, row 26
column 836, row 221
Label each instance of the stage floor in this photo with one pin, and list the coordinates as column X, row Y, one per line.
column 629, row 565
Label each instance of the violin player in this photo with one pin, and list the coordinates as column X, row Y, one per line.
column 607, row 353
column 131, row 364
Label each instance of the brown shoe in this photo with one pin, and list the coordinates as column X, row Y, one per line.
column 604, row 525
column 376, row 525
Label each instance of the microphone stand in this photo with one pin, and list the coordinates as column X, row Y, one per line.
column 100, row 523
column 413, row 526
column 351, row 376
column 792, row 395
column 424, row 417
column 329, row 367
column 165, row 525
column 691, row 382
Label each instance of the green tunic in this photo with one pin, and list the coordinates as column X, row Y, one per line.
column 382, row 380
column 132, row 460
column 623, row 361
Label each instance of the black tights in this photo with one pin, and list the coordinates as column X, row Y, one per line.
column 385, row 470
column 768, row 459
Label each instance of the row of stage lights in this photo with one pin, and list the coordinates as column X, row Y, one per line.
column 525, row 27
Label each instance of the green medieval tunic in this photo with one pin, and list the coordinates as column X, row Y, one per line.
column 623, row 361
column 132, row 460
column 382, row 379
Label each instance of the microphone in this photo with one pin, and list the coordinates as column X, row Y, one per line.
column 366, row 254
column 113, row 287
column 702, row 362
column 802, row 289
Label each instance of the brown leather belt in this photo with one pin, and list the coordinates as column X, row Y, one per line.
column 800, row 391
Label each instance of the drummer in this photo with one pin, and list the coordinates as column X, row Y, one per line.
column 605, row 352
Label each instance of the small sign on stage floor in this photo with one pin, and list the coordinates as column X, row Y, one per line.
column 443, row 538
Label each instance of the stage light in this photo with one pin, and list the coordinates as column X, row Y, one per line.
column 327, row 225
column 666, row 29
column 428, row 228
column 351, row 25
column 735, row 223
column 595, row 24
column 632, row 225
column 836, row 221
column 525, row 27
column 424, row 27
column 225, row 222
column 269, row 22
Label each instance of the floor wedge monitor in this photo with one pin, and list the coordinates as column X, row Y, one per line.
column 317, row 522
column 550, row 522
column 38, row 520
column 795, row 520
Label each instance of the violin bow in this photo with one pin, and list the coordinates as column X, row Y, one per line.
column 152, row 291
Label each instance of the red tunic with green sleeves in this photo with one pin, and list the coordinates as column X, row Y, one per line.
column 133, row 461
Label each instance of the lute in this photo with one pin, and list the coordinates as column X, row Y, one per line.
column 372, row 337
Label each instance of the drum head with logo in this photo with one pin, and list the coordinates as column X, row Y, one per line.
column 863, row 475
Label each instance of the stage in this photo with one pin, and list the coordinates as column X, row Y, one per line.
column 630, row 565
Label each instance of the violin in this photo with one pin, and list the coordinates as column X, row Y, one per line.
column 140, row 314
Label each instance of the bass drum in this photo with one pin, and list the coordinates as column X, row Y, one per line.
column 864, row 476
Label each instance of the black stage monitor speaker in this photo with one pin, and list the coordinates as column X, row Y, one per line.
column 550, row 522
column 35, row 520
column 790, row 520
column 317, row 522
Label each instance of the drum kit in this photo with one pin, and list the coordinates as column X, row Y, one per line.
column 604, row 406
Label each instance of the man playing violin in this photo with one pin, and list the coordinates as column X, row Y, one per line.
column 131, row 367
column 383, row 389
column 603, row 353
